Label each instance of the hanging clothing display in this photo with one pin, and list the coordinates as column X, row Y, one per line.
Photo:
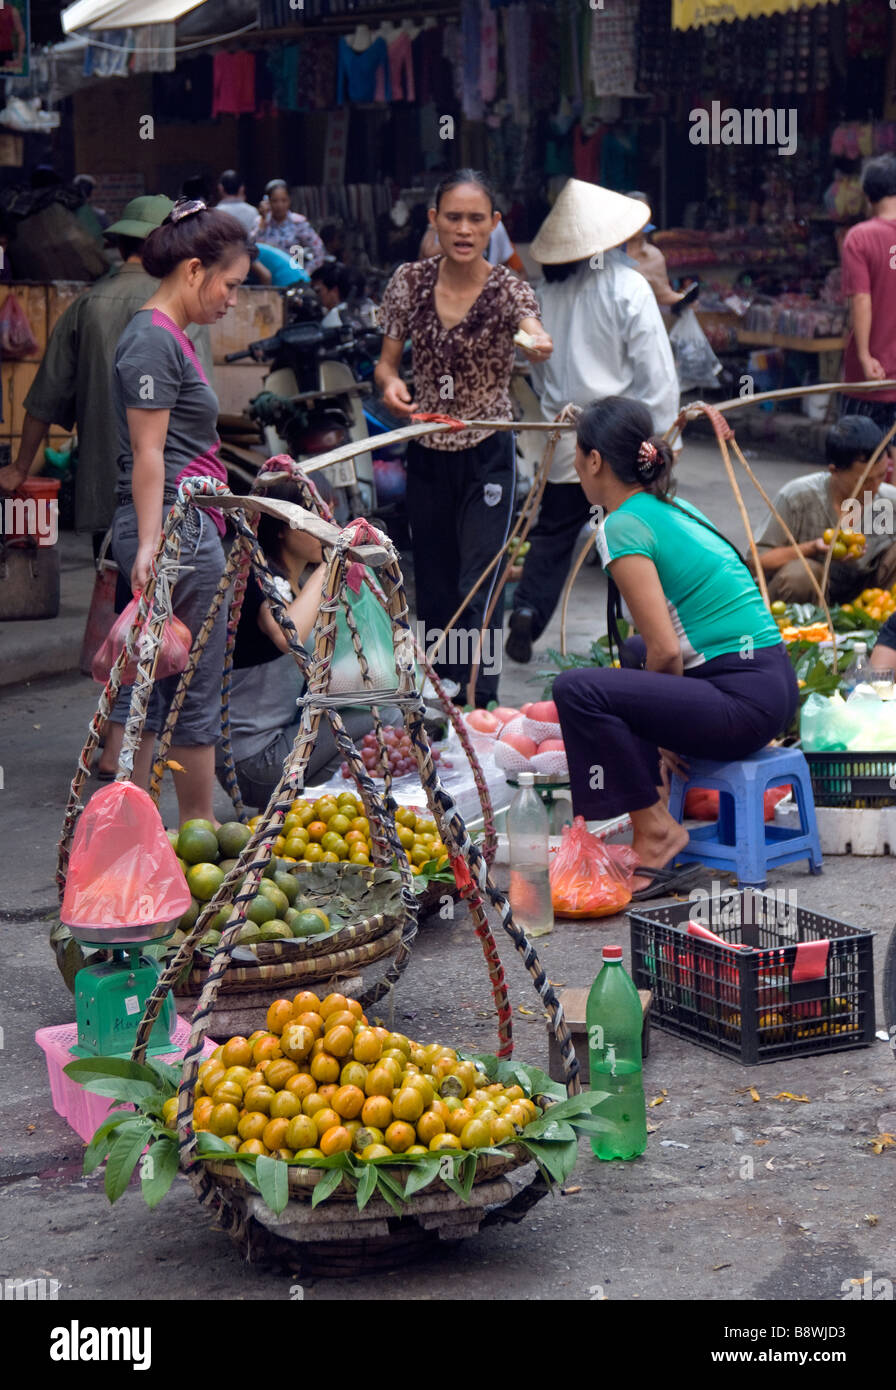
column 233, row 84
column 613, row 49
column 357, row 75
column 110, row 60
column 433, row 69
column 586, row 154
column 471, row 99
column 515, row 21
column 154, row 49
column 401, row 69
column 185, row 94
column 488, row 52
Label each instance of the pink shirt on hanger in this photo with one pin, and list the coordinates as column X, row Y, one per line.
column 399, row 62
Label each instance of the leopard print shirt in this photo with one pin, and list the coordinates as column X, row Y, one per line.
column 462, row 371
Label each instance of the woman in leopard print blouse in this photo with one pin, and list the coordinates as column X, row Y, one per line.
column 461, row 315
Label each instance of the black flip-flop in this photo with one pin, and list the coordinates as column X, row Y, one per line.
column 102, row 776
column 665, row 882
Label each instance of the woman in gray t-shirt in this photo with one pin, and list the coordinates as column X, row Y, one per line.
column 167, row 426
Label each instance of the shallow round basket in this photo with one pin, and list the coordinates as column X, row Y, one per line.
column 335, row 1240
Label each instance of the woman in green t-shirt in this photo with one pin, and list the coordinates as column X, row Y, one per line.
column 716, row 681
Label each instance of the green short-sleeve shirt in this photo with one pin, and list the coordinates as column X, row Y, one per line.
column 715, row 606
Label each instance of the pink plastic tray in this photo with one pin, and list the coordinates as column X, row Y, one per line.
column 84, row 1111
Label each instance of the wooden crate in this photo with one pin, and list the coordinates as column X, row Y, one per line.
column 236, row 383
column 258, row 314
column 574, row 1003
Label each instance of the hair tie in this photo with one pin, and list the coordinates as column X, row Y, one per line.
column 186, row 207
column 648, row 454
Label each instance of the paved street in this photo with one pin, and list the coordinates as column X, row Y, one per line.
column 736, row 1197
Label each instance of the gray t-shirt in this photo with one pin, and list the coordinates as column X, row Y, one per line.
column 808, row 508
column 156, row 368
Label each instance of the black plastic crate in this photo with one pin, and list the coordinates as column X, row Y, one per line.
column 853, row 779
column 746, row 1003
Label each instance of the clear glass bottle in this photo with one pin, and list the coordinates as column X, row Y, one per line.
column 859, row 673
column 528, row 833
column 615, row 1021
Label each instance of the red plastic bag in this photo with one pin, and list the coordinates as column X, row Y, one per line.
column 16, row 337
column 586, row 881
column 702, row 803
column 173, row 657
column 123, row 870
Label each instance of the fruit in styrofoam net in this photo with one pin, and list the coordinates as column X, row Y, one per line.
column 483, row 721
column 527, row 746
column 504, row 714
column 542, row 711
column 389, row 1096
column 552, row 745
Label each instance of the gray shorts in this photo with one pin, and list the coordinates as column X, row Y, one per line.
column 259, row 775
column 199, row 722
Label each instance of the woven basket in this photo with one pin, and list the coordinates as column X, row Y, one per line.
column 376, row 1233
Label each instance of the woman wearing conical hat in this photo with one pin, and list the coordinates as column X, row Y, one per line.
column 610, row 341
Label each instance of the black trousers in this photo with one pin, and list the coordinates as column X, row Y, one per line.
column 460, row 504
column 564, row 511
column 615, row 720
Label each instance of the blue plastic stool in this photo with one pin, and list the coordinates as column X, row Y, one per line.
column 740, row 840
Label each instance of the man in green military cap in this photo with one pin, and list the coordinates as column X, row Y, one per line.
column 73, row 386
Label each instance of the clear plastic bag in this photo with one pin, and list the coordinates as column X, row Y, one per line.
column 586, row 881
column 173, row 656
column 123, row 871
column 695, row 361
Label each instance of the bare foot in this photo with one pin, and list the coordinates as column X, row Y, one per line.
column 657, row 845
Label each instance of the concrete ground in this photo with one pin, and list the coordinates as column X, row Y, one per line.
column 735, row 1198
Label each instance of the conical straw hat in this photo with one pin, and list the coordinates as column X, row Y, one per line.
column 585, row 220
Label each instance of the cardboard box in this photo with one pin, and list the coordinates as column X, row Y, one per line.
column 574, row 1002
column 236, row 383
column 258, row 314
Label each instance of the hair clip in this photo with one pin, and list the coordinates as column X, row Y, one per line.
column 647, row 454
column 186, row 207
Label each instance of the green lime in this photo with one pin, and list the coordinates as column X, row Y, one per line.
column 261, row 909
column 311, row 922
column 210, row 939
column 172, row 837
column 189, row 918
column 275, row 930
column 219, row 921
column 204, row 880
column 198, row 843
column 251, row 931
column 288, row 885
column 276, row 896
column 233, row 838
column 225, row 865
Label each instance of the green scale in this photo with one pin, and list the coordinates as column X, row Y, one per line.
column 110, row 998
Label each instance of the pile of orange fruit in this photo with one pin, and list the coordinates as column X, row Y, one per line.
column 811, row 632
column 331, row 828
column 321, row 1080
column 845, row 545
column 877, row 604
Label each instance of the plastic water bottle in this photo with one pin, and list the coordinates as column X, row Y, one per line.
column 614, row 1020
column 530, row 886
column 859, row 673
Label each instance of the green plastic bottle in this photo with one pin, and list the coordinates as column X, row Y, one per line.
column 614, row 1021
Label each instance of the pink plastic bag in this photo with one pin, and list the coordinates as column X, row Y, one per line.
column 173, row 657
column 586, row 880
column 123, row 870
column 16, row 337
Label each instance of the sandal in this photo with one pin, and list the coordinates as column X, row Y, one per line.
column 665, row 882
